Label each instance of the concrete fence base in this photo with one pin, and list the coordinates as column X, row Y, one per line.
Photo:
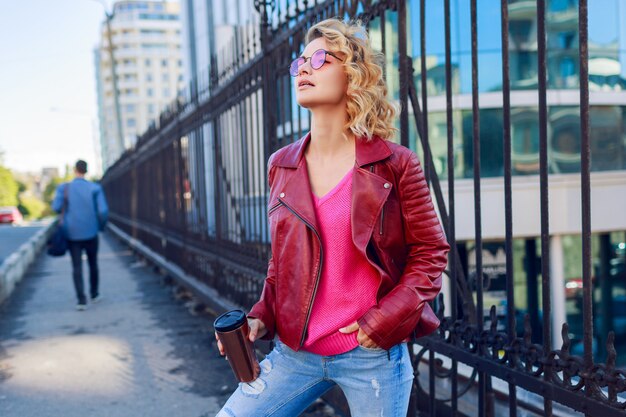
column 13, row 269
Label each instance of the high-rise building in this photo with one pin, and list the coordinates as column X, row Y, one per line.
column 221, row 29
column 146, row 43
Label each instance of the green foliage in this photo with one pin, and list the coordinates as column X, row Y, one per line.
column 48, row 193
column 32, row 208
column 9, row 188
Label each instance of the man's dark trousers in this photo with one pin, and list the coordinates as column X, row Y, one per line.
column 76, row 248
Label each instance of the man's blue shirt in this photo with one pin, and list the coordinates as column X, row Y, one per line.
column 86, row 211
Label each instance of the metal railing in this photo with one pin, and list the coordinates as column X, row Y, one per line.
column 194, row 190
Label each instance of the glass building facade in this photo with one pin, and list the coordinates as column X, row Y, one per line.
column 607, row 83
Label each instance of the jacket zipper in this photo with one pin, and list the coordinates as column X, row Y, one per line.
column 274, row 207
column 317, row 278
column 382, row 212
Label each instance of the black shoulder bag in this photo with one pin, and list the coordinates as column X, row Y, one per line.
column 57, row 244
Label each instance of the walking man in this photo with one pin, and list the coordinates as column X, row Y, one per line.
column 86, row 213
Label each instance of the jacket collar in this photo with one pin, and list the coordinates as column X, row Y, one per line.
column 367, row 152
column 369, row 190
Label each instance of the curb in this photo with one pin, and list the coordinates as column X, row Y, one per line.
column 13, row 269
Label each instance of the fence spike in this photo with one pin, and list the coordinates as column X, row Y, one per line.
column 567, row 343
column 440, row 306
column 611, row 353
column 528, row 331
column 465, row 308
column 513, row 331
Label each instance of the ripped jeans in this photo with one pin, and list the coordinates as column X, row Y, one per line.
column 375, row 382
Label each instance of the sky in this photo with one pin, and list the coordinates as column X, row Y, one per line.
column 48, row 105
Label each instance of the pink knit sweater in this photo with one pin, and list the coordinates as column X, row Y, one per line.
column 348, row 283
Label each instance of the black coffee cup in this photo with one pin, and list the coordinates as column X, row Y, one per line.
column 232, row 329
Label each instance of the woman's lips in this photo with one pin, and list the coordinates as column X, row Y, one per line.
column 305, row 82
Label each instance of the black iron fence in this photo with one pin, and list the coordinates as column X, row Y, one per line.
column 194, row 190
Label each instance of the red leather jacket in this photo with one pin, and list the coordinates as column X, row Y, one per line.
column 394, row 224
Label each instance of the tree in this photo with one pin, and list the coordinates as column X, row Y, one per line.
column 32, row 208
column 9, row 188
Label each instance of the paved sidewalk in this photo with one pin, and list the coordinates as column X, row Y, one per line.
column 137, row 353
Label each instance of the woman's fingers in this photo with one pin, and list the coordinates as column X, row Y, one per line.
column 350, row 328
column 220, row 347
column 257, row 329
column 364, row 340
column 262, row 330
column 254, row 330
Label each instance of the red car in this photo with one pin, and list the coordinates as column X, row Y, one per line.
column 10, row 215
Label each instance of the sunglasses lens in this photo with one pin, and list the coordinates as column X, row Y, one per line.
column 318, row 58
column 295, row 65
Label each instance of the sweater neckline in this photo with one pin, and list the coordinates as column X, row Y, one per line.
column 320, row 200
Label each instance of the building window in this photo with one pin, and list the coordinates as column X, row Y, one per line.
column 158, row 16
column 150, row 108
column 150, row 92
column 131, row 123
column 166, row 92
column 152, row 31
column 129, row 108
column 148, row 77
column 166, row 77
column 148, row 62
column 164, row 63
column 153, row 46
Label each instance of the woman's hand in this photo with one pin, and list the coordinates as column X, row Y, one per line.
column 257, row 330
column 363, row 339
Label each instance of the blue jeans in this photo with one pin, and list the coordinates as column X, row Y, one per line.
column 375, row 382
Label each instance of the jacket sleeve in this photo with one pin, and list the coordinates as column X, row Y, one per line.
column 398, row 313
column 102, row 208
column 264, row 309
column 57, row 203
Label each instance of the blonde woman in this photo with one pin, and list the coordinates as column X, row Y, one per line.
column 357, row 248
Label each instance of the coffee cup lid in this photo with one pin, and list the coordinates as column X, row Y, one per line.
column 229, row 321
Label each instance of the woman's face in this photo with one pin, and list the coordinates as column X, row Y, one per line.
column 329, row 83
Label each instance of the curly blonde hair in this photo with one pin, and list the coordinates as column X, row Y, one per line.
column 370, row 112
